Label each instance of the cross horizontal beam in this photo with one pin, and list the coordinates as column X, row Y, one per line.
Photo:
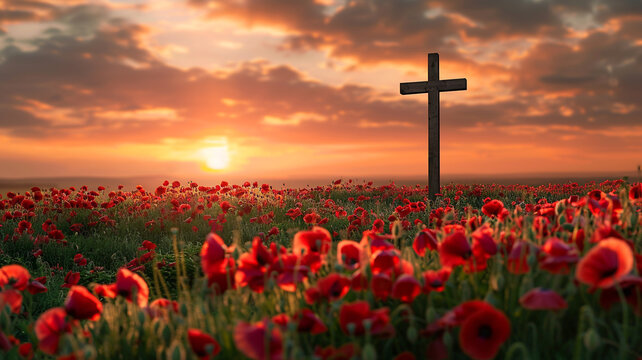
column 422, row 87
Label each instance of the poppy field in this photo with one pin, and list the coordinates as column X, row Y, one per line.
column 343, row 271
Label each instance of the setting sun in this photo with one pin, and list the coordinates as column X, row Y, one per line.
column 216, row 157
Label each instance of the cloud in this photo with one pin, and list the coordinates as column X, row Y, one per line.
column 598, row 79
column 97, row 83
column 110, row 85
column 381, row 31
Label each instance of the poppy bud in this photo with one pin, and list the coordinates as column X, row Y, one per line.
column 412, row 334
column 369, row 352
column 431, row 315
column 447, row 339
column 592, row 339
column 497, row 282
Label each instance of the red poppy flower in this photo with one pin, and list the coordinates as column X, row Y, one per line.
column 350, row 254
column 218, row 268
column 307, row 321
column 483, row 242
column 5, row 343
column 318, row 240
column 14, row 275
column 381, row 285
column 161, row 307
column 406, row 288
column 456, row 316
column 403, row 267
column 311, row 218
column 358, row 281
column 557, row 256
column 454, row 250
column 313, row 261
column 635, row 193
column 254, row 339
column 333, row 287
column 345, row 352
column 80, row 260
column 36, row 287
column 26, row 351
column 49, row 327
column 483, row 333
column 160, row 190
column 352, row 316
column 11, row 298
column 384, row 261
column 374, row 242
column 435, row 280
column 290, row 271
column 147, row 245
column 223, row 279
column 631, row 289
column 542, row 299
column 250, row 273
column 128, row 282
column 605, row 264
column 406, row 355
column 81, row 304
column 541, row 226
column 71, row 279
column 253, row 266
column 437, row 349
column 517, row 262
column 213, row 254
column 425, row 239
column 203, row 345
column 282, row 320
column 106, row 290
column 493, row 208
column 605, row 232
column 377, row 226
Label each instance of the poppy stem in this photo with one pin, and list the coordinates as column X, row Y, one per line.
column 623, row 348
column 577, row 353
column 519, row 346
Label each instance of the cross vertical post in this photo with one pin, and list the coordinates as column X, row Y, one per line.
column 433, row 127
column 433, row 87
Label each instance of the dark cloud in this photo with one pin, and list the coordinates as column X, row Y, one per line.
column 608, row 9
column 15, row 11
column 599, row 79
column 370, row 31
column 379, row 31
column 82, row 19
column 12, row 118
column 508, row 18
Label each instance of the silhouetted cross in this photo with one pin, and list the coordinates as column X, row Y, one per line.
column 433, row 87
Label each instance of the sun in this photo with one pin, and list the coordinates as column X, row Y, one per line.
column 216, row 157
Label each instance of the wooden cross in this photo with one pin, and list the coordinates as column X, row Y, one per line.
column 433, row 87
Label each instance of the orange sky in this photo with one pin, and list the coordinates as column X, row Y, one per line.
column 308, row 88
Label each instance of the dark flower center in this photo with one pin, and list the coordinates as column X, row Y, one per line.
column 336, row 289
column 628, row 290
column 485, row 332
column 608, row 273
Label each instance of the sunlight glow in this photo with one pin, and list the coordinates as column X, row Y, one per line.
column 216, row 157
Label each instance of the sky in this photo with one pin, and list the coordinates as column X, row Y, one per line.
column 309, row 88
